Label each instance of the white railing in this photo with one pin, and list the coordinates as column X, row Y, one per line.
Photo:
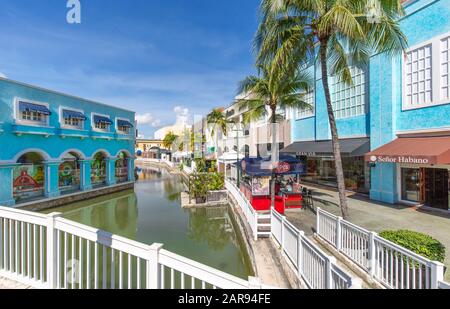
column 388, row 263
column 444, row 285
column 188, row 170
column 256, row 220
column 317, row 269
column 47, row 251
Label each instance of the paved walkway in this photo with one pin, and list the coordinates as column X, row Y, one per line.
column 6, row 284
column 378, row 217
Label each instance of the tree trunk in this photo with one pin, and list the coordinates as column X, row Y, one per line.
column 274, row 155
column 334, row 131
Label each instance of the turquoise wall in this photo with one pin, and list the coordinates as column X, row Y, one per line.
column 424, row 20
column 53, row 141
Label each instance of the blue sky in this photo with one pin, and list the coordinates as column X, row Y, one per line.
column 150, row 56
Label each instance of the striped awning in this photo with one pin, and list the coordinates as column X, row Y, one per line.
column 30, row 107
column 124, row 123
column 73, row 115
column 102, row 119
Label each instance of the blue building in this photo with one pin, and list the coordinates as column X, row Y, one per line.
column 399, row 109
column 52, row 144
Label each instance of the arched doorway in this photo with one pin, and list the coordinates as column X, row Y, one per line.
column 98, row 170
column 29, row 177
column 69, row 173
column 122, row 167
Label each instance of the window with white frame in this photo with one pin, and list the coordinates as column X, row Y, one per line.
column 73, row 119
column 419, row 76
column 445, row 68
column 427, row 74
column 102, row 126
column 73, row 122
column 349, row 100
column 102, row 122
column 307, row 111
column 32, row 113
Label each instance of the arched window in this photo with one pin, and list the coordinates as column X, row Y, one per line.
column 98, row 169
column 29, row 177
column 69, row 173
column 122, row 168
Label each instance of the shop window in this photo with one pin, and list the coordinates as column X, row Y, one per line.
column 98, row 170
column 69, row 173
column 121, row 168
column 349, row 100
column 307, row 111
column 29, row 178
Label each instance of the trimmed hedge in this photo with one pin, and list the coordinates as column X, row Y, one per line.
column 419, row 243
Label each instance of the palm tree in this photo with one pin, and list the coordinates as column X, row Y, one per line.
column 169, row 140
column 269, row 92
column 339, row 33
column 218, row 120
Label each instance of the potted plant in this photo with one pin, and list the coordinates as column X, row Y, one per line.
column 199, row 188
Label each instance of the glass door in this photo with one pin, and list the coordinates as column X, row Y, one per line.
column 411, row 184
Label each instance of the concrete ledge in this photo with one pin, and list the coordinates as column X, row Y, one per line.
column 73, row 197
column 350, row 264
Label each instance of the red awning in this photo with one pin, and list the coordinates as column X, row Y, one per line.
column 413, row 150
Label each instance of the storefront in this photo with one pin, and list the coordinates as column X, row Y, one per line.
column 320, row 166
column 423, row 169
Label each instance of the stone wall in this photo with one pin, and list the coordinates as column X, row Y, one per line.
column 73, row 198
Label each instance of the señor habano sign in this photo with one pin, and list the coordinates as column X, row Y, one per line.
column 401, row 159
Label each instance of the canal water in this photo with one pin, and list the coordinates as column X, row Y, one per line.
column 152, row 213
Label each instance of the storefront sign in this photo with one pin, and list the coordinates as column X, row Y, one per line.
column 307, row 154
column 261, row 186
column 283, row 167
column 401, row 159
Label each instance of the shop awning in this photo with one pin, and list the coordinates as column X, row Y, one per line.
column 124, row 123
column 102, row 119
column 286, row 165
column 413, row 150
column 73, row 115
column 354, row 147
column 30, row 107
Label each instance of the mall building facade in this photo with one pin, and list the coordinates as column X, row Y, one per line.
column 53, row 144
column 393, row 122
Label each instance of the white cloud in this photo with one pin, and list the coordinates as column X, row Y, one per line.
column 2, row 75
column 148, row 119
column 182, row 114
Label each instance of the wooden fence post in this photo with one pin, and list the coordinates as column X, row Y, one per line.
column 329, row 273
column 372, row 254
column 339, row 233
column 52, row 251
column 254, row 283
column 153, row 269
column 437, row 274
column 300, row 254
column 318, row 221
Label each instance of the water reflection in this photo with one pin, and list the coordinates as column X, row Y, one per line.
column 152, row 213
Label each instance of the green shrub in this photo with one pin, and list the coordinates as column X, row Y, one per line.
column 419, row 243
